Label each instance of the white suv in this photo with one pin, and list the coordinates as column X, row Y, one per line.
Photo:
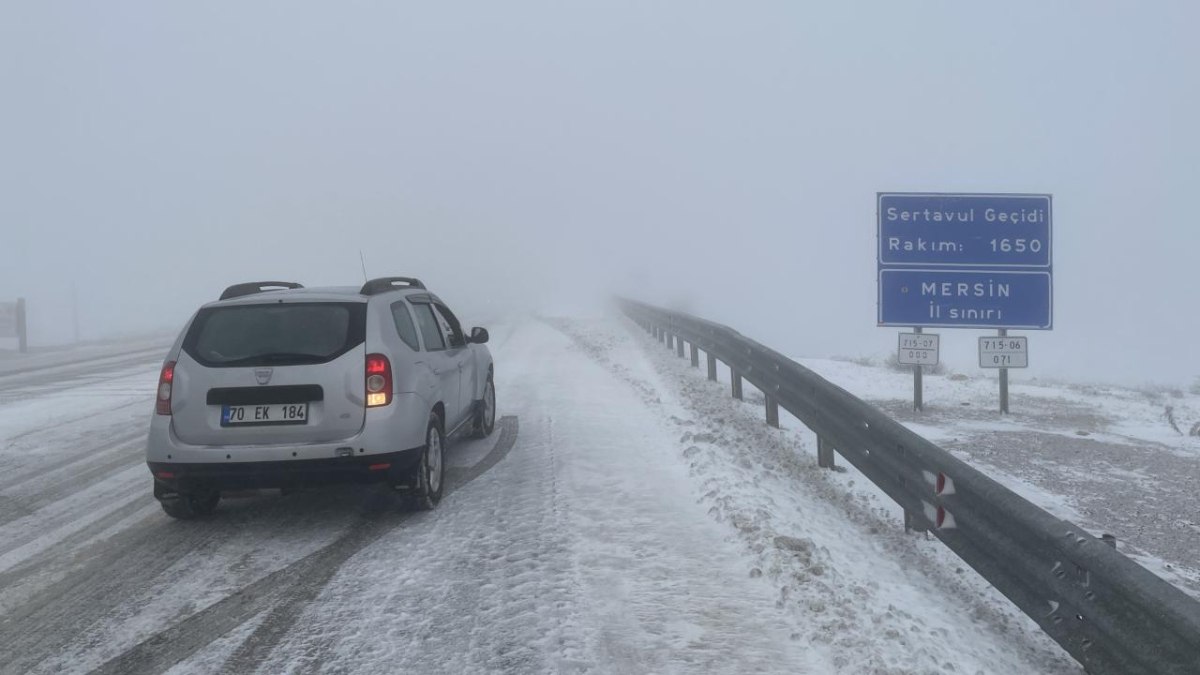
column 276, row 385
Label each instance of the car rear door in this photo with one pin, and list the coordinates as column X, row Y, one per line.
column 442, row 360
column 461, row 351
column 271, row 373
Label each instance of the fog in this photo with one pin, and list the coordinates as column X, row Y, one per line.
column 520, row 156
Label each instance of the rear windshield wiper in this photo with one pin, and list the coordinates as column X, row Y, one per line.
column 277, row 357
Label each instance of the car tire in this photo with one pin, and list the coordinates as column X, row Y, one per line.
column 431, row 471
column 485, row 414
column 191, row 505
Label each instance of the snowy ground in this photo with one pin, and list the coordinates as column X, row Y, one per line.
column 627, row 517
column 1111, row 459
column 103, row 352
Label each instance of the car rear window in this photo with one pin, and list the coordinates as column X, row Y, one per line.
column 275, row 334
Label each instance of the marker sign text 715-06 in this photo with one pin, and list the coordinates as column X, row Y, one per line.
column 1004, row 351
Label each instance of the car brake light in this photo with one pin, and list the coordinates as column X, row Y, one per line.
column 162, row 405
column 379, row 380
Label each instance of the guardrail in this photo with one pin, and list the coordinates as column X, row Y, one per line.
column 1111, row 614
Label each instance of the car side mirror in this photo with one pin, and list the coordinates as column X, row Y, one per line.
column 479, row 335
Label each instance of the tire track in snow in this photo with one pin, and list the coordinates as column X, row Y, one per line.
column 40, row 627
column 31, row 534
column 69, row 621
column 86, row 455
column 467, row 592
column 284, row 593
column 58, row 561
column 129, row 455
column 30, row 436
column 25, row 382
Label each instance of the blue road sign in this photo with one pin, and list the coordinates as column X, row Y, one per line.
column 965, row 298
column 965, row 260
column 937, row 230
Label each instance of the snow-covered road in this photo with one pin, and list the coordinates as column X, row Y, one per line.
column 626, row 517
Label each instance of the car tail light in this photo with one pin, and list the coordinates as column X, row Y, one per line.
column 379, row 380
column 166, row 378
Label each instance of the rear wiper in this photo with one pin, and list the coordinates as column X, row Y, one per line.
column 277, row 357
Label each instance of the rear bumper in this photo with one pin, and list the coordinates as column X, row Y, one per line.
column 386, row 429
column 392, row 467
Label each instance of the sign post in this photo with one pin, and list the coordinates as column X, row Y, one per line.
column 966, row 261
column 1003, row 332
column 1004, row 352
column 918, row 390
column 918, row 349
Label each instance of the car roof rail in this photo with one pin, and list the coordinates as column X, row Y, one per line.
column 384, row 284
column 252, row 287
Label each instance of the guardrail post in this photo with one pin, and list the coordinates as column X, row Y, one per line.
column 736, row 379
column 678, row 347
column 824, row 453
column 671, row 340
column 712, row 367
column 913, row 524
column 772, row 411
column 695, row 355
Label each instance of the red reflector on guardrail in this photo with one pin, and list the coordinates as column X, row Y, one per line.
column 944, row 486
column 945, row 519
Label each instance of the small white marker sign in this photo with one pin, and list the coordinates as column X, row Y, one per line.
column 918, row 349
column 1006, row 351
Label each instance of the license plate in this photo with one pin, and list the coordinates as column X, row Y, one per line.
column 272, row 413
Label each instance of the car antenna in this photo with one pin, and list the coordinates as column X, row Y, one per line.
column 363, row 260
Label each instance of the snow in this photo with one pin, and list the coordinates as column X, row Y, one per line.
column 640, row 520
column 63, row 358
column 582, row 551
column 1102, row 456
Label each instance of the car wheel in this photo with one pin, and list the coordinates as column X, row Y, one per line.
column 189, row 505
column 431, row 470
column 485, row 416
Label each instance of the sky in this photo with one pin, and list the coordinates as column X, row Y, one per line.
column 540, row 156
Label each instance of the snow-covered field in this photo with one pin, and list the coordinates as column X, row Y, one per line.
column 1114, row 460
column 627, row 517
